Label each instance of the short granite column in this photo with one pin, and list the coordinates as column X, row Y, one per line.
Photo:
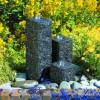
column 62, row 49
column 63, row 71
column 38, row 46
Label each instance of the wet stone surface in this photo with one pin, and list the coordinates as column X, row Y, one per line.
column 63, row 71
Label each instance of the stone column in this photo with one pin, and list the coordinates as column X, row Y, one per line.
column 62, row 49
column 63, row 71
column 38, row 46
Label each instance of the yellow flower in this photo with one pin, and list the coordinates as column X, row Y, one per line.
column 22, row 23
column 65, row 13
column 1, row 42
column 80, row 3
column 1, row 27
column 69, row 4
column 94, row 35
column 46, row 2
column 57, row 2
column 91, row 4
column 4, row 1
column 7, row 29
column 91, row 48
column 23, row 37
column 64, row 31
column 29, row 11
column 10, row 40
column 2, row 48
column 97, row 55
column 16, row 2
column 56, row 24
column 32, row 2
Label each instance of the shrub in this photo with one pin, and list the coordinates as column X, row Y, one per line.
column 86, row 47
column 6, row 73
column 77, row 19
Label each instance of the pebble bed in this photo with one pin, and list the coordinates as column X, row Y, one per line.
column 72, row 90
column 62, row 94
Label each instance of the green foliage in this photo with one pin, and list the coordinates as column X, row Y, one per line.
column 77, row 19
column 6, row 73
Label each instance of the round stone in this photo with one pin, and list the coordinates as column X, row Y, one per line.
column 40, row 87
column 20, row 76
column 88, row 87
column 52, row 86
column 93, row 87
column 93, row 81
column 15, row 88
column 47, row 86
column 97, row 84
column 84, row 78
column 64, row 85
column 5, row 86
column 76, row 85
column 85, row 83
column 30, row 83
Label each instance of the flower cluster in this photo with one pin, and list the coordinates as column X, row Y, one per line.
column 2, row 48
column 1, row 27
column 86, row 45
column 4, row 1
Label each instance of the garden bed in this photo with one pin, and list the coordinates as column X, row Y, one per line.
column 62, row 94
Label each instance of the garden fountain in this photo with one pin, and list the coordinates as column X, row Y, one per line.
column 44, row 52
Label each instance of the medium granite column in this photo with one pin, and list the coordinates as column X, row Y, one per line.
column 61, row 49
column 38, row 46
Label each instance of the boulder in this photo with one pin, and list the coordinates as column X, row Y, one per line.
column 52, row 86
column 85, row 83
column 30, row 84
column 64, row 85
column 97, row 84
column 84, row 78
column 40, row 87
column 76, row 85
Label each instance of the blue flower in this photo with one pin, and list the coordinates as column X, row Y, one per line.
column 64, row 95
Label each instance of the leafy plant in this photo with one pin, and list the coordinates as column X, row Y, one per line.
column 77, row 19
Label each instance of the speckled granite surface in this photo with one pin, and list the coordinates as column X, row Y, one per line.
column 61, row 49
column 63, row 71
column 38, row 46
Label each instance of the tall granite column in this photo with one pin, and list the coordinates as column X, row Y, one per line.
column 38, row 46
